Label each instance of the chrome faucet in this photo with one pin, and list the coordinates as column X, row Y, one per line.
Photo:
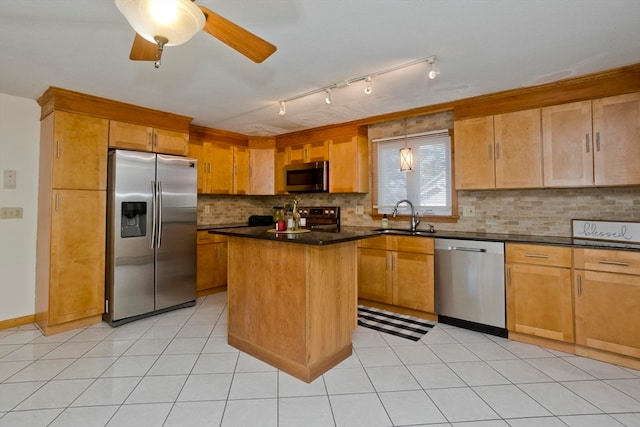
column 415, row 216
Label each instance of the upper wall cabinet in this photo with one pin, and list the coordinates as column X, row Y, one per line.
column 78, row 151
column 349, row 165
column 136, row 137
column 592, row 142
column 316, row 151
column 502, row 151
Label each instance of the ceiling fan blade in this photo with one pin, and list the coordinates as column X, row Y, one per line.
column 236, row 37
column 143, row 50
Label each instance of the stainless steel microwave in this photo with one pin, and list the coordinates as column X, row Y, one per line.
column 307, row 177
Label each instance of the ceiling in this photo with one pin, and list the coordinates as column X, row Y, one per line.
column 481, row 46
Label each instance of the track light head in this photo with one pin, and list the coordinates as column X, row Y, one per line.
column 368, row 89
column 434, row 71
column 327, row 99
column 283, row 109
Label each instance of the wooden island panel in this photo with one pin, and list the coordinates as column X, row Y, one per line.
column 291, row 305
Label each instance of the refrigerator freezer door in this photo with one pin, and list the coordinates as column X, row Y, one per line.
column 130, row 256
column 176, row 252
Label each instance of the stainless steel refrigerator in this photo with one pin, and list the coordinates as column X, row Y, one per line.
column 151, row 235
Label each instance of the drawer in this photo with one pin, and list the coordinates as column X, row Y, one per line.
column 378, row 242
column 204, row 237
column 420, row 245
column 555, row 256
column 626, row 262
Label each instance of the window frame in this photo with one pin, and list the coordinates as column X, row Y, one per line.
column 377, row 214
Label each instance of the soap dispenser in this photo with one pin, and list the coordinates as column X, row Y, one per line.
column 385, row 221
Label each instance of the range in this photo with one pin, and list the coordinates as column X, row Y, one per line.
column 320, row 218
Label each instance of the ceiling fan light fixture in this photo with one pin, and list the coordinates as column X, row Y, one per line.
column 175, row 20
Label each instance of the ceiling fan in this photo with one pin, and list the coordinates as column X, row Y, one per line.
column 160, row 23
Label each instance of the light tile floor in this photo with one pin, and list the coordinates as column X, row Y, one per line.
column 176, row 369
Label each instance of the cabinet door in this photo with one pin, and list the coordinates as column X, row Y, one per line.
column 261, row 167
column 616, row 126
column 77, row 270
column 473, row 153
column 220, row 265
column 206, row 258
column 413, row 279
column 567, row 146
column 79, row 151
column 279, row 175
column 317, row 151
column 240, row 170
column 518, row 149
column 374, row 281
column 348, row 172
column 198, row 151
column 130, row 136
column 221, row 173
column 297, row 154
column 608, row 311
column 539, row 301
column 170, row 142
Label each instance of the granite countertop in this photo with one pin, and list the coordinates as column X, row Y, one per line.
column 204, row 227
column 351, row 233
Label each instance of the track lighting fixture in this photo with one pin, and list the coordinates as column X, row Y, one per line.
column 435, row 71
column 368, row 89
column 327, row 99
column 367, row 78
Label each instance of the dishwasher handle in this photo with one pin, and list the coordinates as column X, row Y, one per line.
column 462, row 248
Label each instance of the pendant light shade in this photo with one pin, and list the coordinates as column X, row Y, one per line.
column 406, row 159
column 175, row 20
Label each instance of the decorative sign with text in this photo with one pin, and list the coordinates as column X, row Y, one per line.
column 614, row 231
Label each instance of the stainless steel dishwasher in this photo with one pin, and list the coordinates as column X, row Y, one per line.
column 469, row 281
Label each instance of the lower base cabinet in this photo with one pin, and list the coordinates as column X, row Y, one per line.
column 607, row 302
column 211, row 275
column 539, row 291
column 397, row 270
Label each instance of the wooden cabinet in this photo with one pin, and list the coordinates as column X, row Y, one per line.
column 70, row 257
column 592, row 142
column 143, row 138
column 539, row 291
column 211, row 273
column 77, row 264
column 316, row 151
column 261, row 171
column 349, row 165
column 215, row 166
column 76, row 149
column 607, row 304
column 241, row 174
column 397, row 270
column 278, row 170
column 502, row 151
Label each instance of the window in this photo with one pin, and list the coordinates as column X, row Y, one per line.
column 427, row 186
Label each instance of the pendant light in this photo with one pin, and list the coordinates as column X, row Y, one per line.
column 406, row 155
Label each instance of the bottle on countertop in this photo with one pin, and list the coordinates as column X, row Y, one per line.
column 385, row 221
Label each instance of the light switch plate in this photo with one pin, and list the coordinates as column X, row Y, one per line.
column 359, row 210
column 9, row 179
column 10, row 213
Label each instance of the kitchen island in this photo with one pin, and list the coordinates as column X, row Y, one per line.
column 292, row 298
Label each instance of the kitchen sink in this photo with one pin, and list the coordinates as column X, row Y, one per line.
column 405, row 232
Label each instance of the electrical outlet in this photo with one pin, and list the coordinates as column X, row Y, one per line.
column 10, row 213
column 468, row 211
column 207, row 209
column 359, row 210
column 9, row 181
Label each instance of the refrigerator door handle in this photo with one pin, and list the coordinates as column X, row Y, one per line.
column 153, row 214
column 159, row 242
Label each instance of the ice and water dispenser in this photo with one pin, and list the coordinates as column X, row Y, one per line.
column 134, row 219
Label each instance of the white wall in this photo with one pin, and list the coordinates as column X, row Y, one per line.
column 19, row 150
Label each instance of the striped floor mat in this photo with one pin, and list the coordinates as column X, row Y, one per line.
column 412, row 328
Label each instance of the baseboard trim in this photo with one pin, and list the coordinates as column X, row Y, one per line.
column 18, row 321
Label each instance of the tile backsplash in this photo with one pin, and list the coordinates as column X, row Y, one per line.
column 545, row 212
